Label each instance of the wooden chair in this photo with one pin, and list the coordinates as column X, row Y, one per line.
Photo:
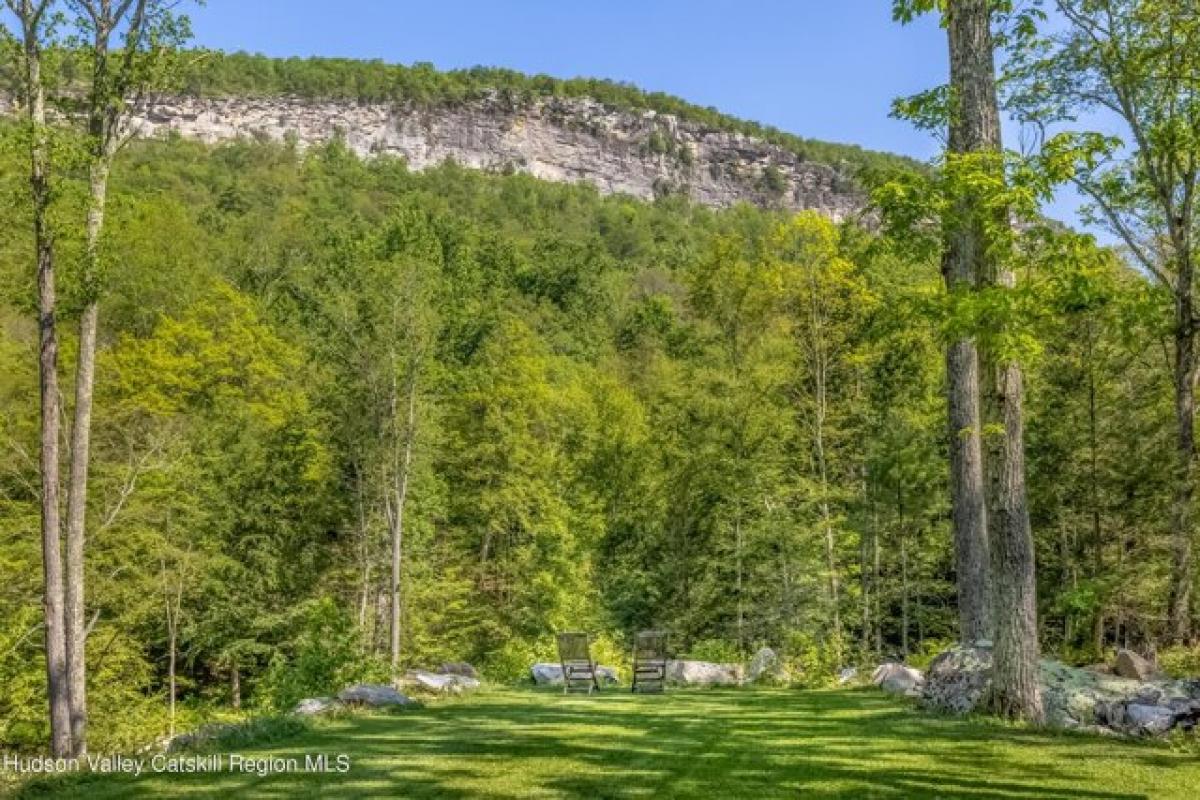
column 649, row 661
column 578, row 669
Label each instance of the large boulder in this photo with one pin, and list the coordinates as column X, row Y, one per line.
column 1130, row 665
column 766, row 667
column 458, row 668
column 959, row 679
column 704, row 673
column 311, row 706
column 898, row 679
column 373, row 695
column 1151, row 720
column 547, row 674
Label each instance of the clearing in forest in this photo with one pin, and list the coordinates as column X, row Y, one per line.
column 727, row 743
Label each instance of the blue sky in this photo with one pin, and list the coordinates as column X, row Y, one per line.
column 826, row 69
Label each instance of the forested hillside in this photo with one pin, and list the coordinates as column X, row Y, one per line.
column 580, row 412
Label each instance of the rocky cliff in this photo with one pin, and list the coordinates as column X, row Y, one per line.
column 644, row 154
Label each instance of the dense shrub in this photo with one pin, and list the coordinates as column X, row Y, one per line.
column 324, row 654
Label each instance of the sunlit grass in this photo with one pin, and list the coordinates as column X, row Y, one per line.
column 706, row 744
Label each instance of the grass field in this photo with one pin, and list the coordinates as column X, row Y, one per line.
column 705, row 744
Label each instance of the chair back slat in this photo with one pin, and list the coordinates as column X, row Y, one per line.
column 573, row 647
column 650, row 646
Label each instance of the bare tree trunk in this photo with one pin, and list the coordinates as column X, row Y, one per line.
column 820, row 369
column 967, row 499
column 30, row 16
column 864, row 567
column 1094, row 488
column 172, row 606
column 364, row 557
column 396, row 516
column 1179, row 601
column 877, row 582
column 1015, row 689
column 975, row 129
column 235, row 686
column 903, row 596
column 741, row 609
column 77, row 488
column 171, row 678
column 968, row 518
column 105, row 109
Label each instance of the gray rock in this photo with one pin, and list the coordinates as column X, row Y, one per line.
column 373, row 695
column 548, row 674
column 1110, row 714
column 458, row 668
column 1130, row 665
column 704, row 673
column 441, row 684
column 1152, row 720
column 1148, row 695
column 312, row 706
column 846, row 675
column 766, row 666
column 957, row 679
column 898, row 679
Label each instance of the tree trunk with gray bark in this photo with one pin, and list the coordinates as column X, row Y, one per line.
column 975, row 130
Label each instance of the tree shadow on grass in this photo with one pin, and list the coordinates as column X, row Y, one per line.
column 717, row 743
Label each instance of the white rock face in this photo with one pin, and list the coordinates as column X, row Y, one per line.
column 641, row 153
column 704, row 673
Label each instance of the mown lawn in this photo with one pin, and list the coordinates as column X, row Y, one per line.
column 704, row 744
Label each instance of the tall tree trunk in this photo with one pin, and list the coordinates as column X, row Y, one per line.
column 364, row 557
column 235, row 686
column 1179, row 614
column 820, row 369
column 876, row 581
column 1015, row 690
column 968, row 517
column 864, row 571
column 173, row 604
column 741, row 608
column 1094, row 486
column 975, row 129
column 967, row 497
column 903, row 596
column 57, row 684
column 81, row 432
column 397, row 516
